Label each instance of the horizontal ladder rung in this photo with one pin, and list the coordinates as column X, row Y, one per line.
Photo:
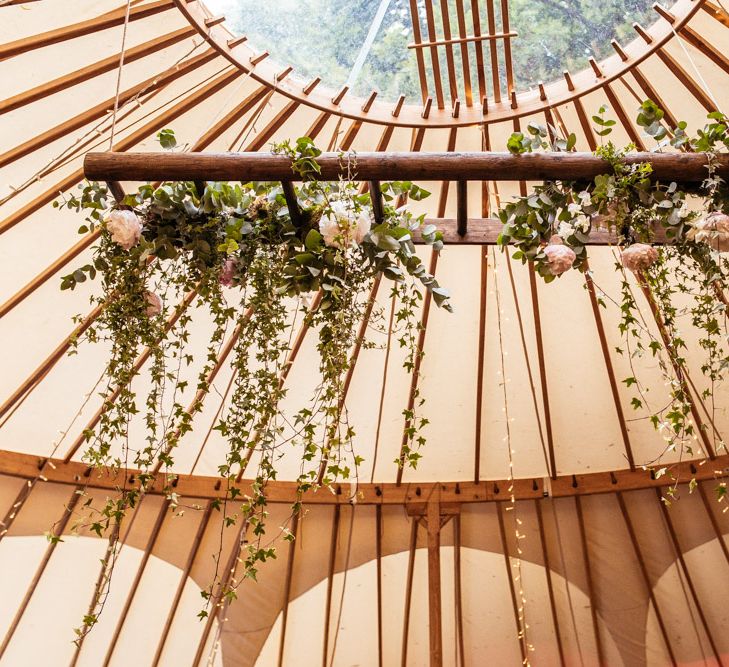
column 462, row 40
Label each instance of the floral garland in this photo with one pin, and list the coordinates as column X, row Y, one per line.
column 246, row 256
column 551, row 226
column 240, row 249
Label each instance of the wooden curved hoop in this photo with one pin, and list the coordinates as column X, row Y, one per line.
column 27, row 466
column 236, row 51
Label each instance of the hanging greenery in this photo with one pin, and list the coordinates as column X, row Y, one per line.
column 551, row 227
column 260, row 270
column 256, row 268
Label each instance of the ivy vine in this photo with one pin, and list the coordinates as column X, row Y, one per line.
column 551, row 227
column 256, row 269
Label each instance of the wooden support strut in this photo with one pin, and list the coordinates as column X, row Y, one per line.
column 292, row 202
column 434, row 583
column 462, row 208
column 376, row 198
column 448, row 166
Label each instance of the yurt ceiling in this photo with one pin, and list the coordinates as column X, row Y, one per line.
column 531, row 530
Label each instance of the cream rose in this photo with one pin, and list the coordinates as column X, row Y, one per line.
column 712, row 230
column 125, row 228
column 343, row 226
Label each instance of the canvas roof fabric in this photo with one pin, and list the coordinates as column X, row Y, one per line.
column 604, row 573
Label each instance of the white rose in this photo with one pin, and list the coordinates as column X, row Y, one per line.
column 565, row 229
column 343, row 226
column 574, row 209
column 684, row 211
column 125, row 228
column 582, row 222
column 584, row 197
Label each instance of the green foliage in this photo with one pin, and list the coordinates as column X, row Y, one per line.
column 323, row 264
column 604, row 125
column 628, row 204
column 167, row 139
column 539, row 137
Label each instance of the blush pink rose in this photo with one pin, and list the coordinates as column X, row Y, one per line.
column 638, row 257
column 559, row 256
column 228, row 272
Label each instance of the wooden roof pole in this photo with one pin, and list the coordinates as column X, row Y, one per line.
column 646, row 577
column 414, row 521
column 378, row 556
column 515, row 602
column 671, row 530
column 444, row 166
column 458, row 591
column 550, row 586
column 75, row 30
column 425, row 313
column 60, row 527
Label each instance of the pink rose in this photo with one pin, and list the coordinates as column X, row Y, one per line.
column 638, row 257
column 154, row 304
column 125, row 228
column 228, row 272
column 559, row 256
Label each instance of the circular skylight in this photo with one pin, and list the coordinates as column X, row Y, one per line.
column 370, row 44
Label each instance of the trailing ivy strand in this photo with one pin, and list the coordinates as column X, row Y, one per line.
column 259, row 271
column 550, row 228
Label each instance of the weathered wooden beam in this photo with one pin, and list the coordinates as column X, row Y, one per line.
column 448, row 166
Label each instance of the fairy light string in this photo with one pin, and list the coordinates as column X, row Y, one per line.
column 119, row 74
column 519, row 535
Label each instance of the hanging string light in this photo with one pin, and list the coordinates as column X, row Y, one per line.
column 519, row 535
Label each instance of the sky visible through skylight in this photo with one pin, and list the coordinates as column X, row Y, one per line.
column 364, row 43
